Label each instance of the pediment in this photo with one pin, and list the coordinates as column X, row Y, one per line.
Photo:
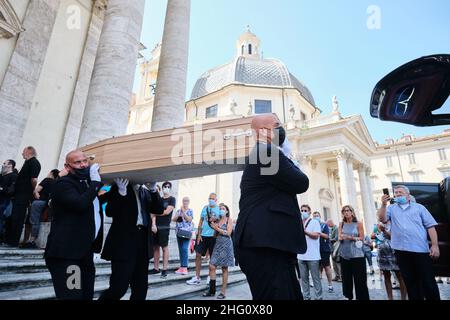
column 10, row 25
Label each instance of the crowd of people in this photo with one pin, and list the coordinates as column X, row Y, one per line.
column 141, row 224
column 278, row 245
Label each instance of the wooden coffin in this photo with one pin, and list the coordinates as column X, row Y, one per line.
column 181, row 153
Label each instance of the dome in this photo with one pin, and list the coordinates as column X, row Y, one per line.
column 249, row 71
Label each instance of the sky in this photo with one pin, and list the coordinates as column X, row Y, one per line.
column 326, row 44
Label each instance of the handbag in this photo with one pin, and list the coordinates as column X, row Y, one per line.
column 185, row 234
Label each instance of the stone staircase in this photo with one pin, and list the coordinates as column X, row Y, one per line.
column 24, row 276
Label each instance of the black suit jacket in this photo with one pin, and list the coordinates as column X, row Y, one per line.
column 121, row 242
column 269, row 214
column 73, row 224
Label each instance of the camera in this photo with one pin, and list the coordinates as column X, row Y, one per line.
column 180, row 219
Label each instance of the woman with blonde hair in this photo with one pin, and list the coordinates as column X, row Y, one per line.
column 353, row 263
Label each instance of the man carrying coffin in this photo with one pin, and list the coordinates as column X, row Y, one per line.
column 129, row 243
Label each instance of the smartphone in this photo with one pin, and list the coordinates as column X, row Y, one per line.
column 386, row 192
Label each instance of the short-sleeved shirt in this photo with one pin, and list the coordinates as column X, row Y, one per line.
column 313, row 245
column 409, row 227
column 164, row 221
column 184, row 225
column 207, row 231
column 325, row 245
column 46, row 185
column 30, row 169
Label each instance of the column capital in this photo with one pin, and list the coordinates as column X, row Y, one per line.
column 340, row 154
column 362, row 167
column 304, row 159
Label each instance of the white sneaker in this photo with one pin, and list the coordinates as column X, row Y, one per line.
column 194, row 281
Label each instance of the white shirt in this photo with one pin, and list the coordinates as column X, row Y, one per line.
column 97, row 218
column 140, row 220
column 313, row 251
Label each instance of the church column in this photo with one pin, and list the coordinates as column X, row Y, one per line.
column 307, row 165
column 168, row 111
column 351, row 183
column 365, row 197
column 341, row 158
column 22, row 76
column 371, row 199
column 73, row 125
column 109, row 97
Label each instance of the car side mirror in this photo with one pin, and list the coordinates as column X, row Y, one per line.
column 413, row 91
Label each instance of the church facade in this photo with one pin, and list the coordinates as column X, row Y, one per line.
column 337, row 152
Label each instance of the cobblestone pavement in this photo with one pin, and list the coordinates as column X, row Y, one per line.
column 375, row 285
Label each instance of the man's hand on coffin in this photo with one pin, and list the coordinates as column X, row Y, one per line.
column 94, row 172
column 122, row 185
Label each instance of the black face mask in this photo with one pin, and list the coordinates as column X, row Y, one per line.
column 280, row 136
column 82, row 174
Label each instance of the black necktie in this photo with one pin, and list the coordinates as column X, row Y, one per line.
column 143, row 198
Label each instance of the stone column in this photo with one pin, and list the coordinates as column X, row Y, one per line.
column 371, row 198
column 74, row 122
column 109, row 97
column 365, row 197
column 341, row 158
column 307, row 165
column 351, row 183
column 22, row 76
column 168, row 111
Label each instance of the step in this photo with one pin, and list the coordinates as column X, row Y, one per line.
column 14, row 253
column 155, row 281
column 183, row 291
column 14, row 281
column 38, row 265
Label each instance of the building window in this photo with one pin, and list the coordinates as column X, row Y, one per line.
column 302, row 116
column 242, row 50
column 442, row 154
column 263, row 106
column 412, row 158
column 211, row 112
column 415, row 176
column 389, row 161
column 250, row 49
column 326, row 213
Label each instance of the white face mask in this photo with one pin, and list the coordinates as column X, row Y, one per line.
column 166, row 190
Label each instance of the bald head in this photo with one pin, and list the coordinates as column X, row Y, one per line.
column 263, row 125
column 76, row 160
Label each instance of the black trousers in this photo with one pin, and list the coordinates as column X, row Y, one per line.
column 354, row 271
column 271, row 273
column 14, row 225
column 417, row 272
column 130, row 273
column 73, row 279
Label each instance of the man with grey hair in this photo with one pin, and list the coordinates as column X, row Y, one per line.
column 25, row 184
column 410, row 224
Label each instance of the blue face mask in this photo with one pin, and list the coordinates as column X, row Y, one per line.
column 317, row 218
column 305, row 215
column 401, row 200
column 212, row 203
column 223, row 213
